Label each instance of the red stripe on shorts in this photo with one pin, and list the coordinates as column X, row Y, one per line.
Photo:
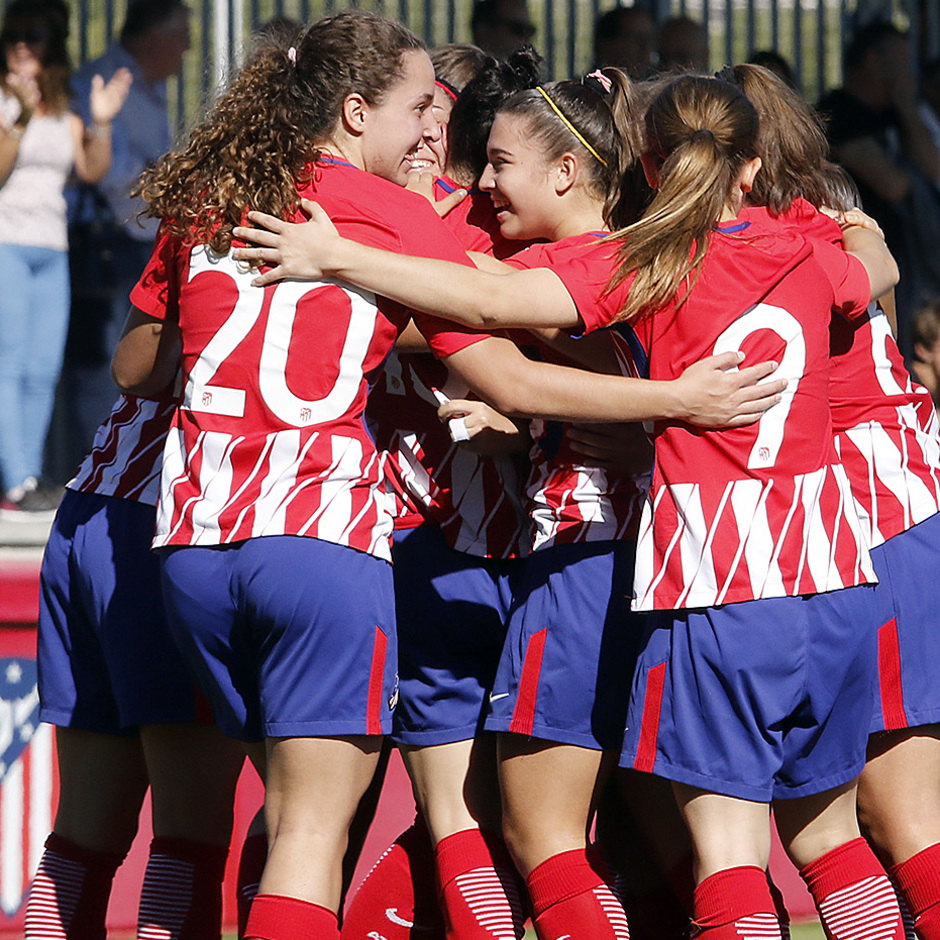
column 649, row 729
column 889, row 676
column 376, row 682
column 523, row 715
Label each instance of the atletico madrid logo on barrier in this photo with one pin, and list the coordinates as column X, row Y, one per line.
column 26, row 781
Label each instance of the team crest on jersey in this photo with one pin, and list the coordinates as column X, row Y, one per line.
column 26, row 780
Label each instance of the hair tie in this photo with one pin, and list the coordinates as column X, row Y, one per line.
column 701, row 133
column 292, row 55
column 447, row 88
column 569, row 125
column 603, row 80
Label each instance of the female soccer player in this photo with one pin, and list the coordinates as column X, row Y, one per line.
column 887, row 433
column 127, row 713
column 704, row 169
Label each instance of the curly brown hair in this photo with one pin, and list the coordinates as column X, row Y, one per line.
column 258, row 144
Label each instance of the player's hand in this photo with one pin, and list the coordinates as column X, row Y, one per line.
column 422, row 182
column 484, row 429
column 851, row 217
column 289, row 249
column 106, row 100
column 716, row 394
column 623, row 448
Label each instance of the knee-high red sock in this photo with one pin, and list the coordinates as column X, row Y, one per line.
column 919, row 882
column 853, row 895
column 397, row 900
column 275, row 917
column 250, row 866
column 479, row 887
column 181, row 898
column 735, row 904
column 571, row 895
column 69, row 896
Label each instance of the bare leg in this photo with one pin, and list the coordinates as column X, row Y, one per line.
column 456, row 785
column 313, row 788
column 549, row 791
column 103, row 780
column 899, row 792
column 726, row 832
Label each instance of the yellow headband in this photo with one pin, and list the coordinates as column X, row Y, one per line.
column 569, row 125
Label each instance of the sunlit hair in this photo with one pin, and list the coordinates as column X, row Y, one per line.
column 458, row 64
column 589, row 115
column 700, row 132
column 473, row 113
column 792, row 144
column 259, row 141
column 51, row 17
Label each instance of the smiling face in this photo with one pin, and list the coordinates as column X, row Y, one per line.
column 431, row 155
column 519, row 181
column 392, row 131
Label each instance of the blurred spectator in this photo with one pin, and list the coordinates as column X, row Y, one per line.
column 876, row 132
column 776, row 63
column 625, row 38
column 500, row 26
column 110, row 244
column 40, row 142
column 930, row 99
column 926, row 365
column 683, row 45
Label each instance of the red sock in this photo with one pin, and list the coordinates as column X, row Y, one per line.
column 69, row 896
column 735, row 904
column 919, row 882
column 479, row 887
column 398, row 894
column 181, row 898
column 275, row 917
column 853, row 894
column 250, row 866
column 571, row 895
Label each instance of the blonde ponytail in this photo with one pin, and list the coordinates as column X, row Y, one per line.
column 700, row 132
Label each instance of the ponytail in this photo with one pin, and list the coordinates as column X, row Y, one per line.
column 700, row 132
column 258, row 144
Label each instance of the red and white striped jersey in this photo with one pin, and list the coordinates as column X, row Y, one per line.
column 764, row 510
column 886, row 429
column 269, row 438
column 127, row 453
column 476, row 500
column 886, row 425
column 569, row 500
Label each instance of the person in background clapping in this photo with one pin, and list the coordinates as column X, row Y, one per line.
column 40, row 142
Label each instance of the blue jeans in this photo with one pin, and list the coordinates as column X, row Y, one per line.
column 34, row 316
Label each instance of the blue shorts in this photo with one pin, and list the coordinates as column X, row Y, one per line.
column 568, row 661
column 759, row 700
column 905, row 614
column 452, row 609
column 289, row 636
column 106, row 658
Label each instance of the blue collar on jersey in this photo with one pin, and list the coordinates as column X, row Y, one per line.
column 729, row 228
column 327, row 158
